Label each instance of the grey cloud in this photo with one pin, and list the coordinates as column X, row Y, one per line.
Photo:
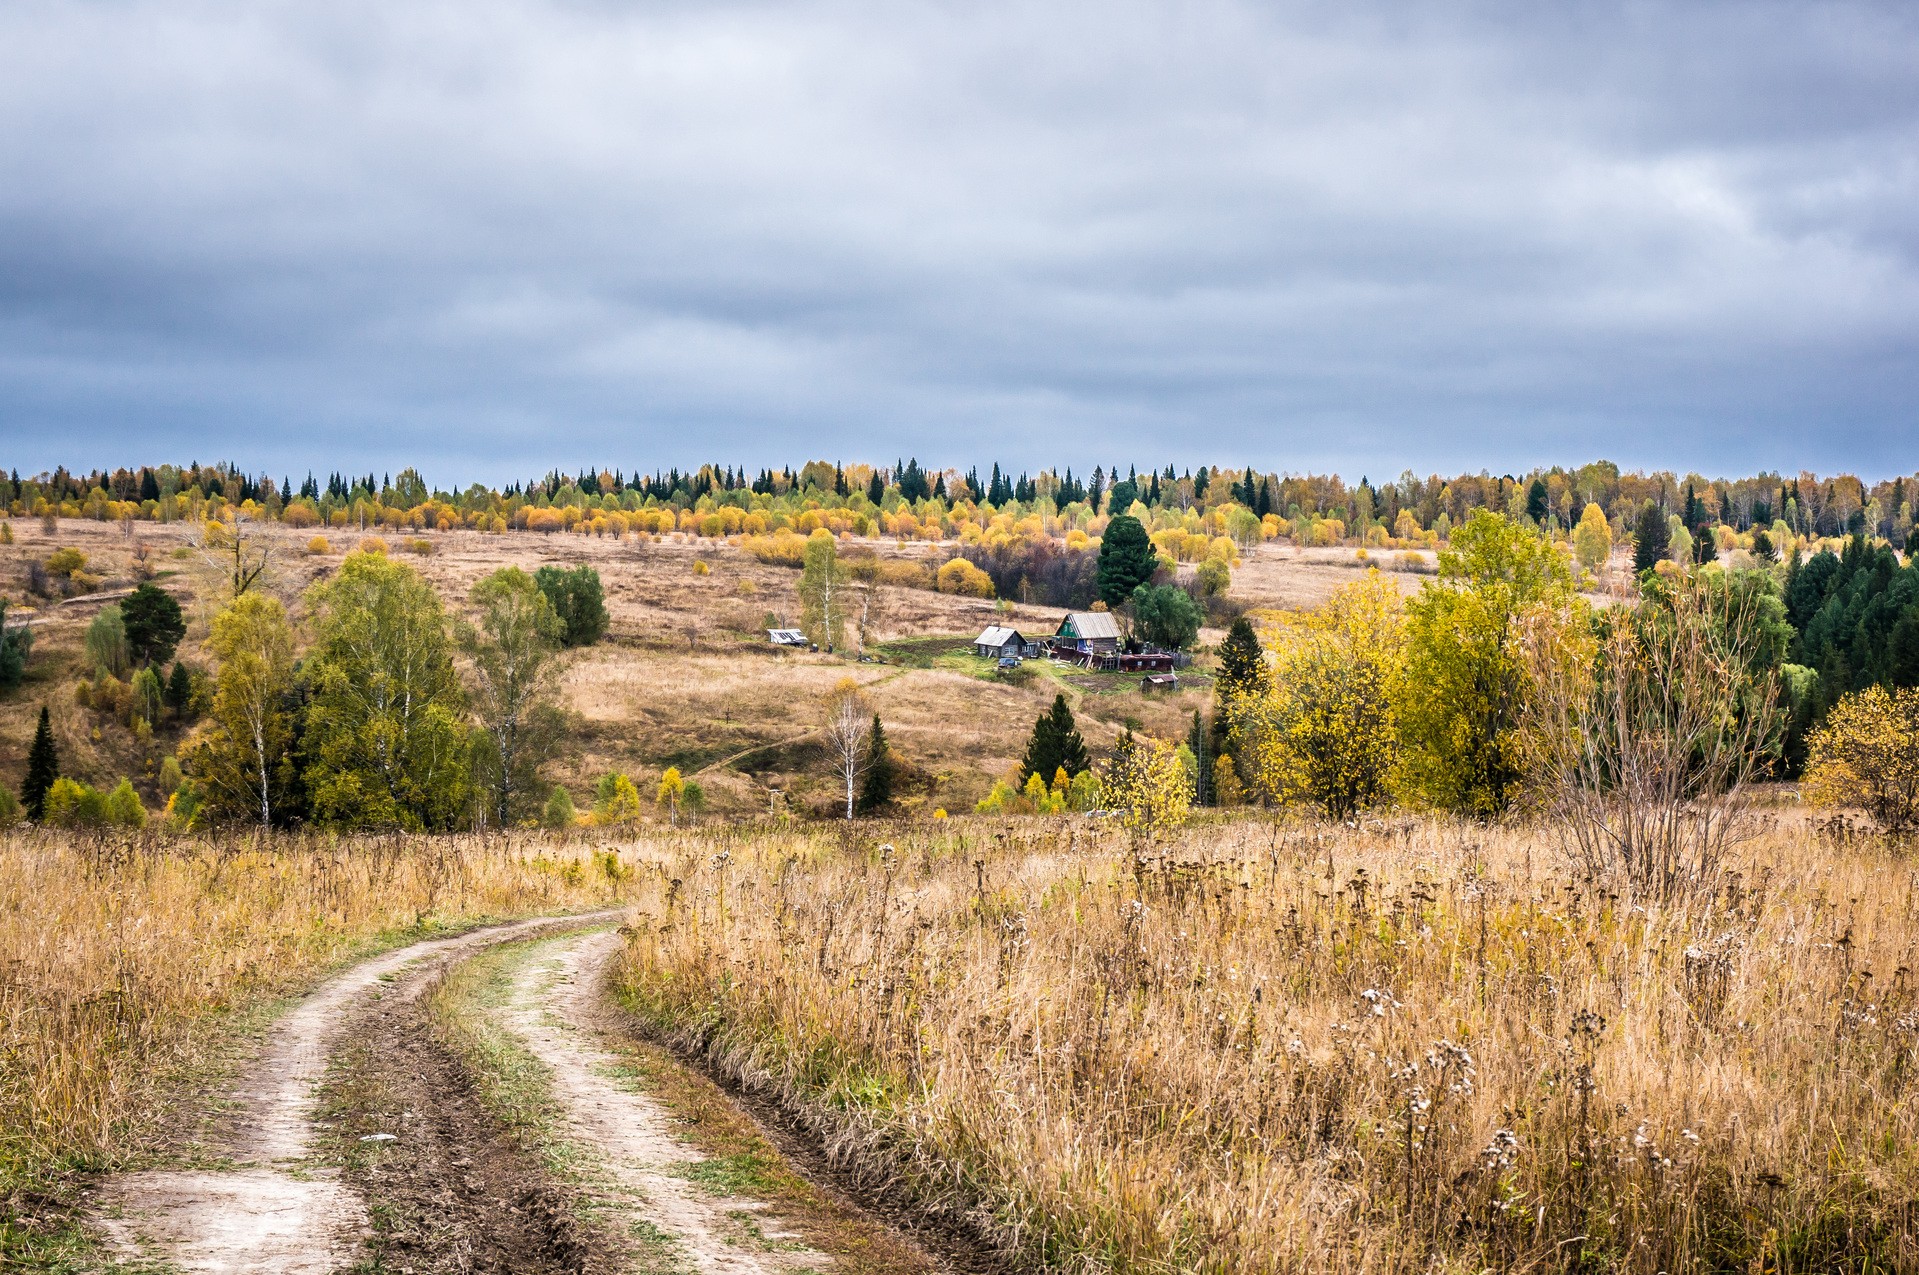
column 494, row 235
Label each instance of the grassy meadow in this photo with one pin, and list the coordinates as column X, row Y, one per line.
column 685, row 676
column 1413, row 1045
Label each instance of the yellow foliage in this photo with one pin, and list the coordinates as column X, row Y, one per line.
column 1326, row 735
column 963, row 578
column 318, row 546
column 1149, row 783
column 1867, row 755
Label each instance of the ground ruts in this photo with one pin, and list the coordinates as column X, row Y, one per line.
column 552, row 1010
column 950, row 1237
column 451, row 1192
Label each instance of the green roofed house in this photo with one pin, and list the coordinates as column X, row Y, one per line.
column 1084, row 633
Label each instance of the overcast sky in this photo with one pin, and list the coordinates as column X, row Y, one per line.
column 488, row 237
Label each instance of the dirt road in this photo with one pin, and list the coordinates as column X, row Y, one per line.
column 275, row 1210
column 366, row 1137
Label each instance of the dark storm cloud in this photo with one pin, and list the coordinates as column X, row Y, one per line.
column 489, row 236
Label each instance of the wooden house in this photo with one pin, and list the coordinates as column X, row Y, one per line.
column 998, row 642
column 1083, row 634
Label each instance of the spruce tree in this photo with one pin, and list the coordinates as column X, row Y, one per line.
column 1055, row 745
column 1196, row 740
column 43, row 767
column 876, row 789
column 1126, row 560
column 1652, row 537
column 179, row 688
column 1242, row 677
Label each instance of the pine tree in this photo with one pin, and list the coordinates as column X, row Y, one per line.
column 1055, row 745
column 153, row 623
column 43, row 767
column 875, row 488
column 876, row 788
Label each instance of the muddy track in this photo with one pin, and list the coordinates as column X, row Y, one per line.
column 277, row 1209
column 446, row 1188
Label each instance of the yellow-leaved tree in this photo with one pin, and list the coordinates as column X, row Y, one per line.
column 672, row 790
column 1592, row 538
column 1867, row 755
column 1326, row 732
column 1146, row 781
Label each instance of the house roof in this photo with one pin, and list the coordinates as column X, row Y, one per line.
column 787, row 637
column 1091, row 624
column 998, row 635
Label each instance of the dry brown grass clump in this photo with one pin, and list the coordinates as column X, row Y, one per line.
column 116, row 954
column 1414, row 1046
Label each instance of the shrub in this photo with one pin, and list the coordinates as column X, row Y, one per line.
column 318, row 547
column 1867, row 755
column 15, row 646
column 10, row 811
column 65, row 562
column 578, row 599
column 963, row 578
column 421, row 547
column 72, row 804
column 122, row 808
column 372, row 544
column 559, row 809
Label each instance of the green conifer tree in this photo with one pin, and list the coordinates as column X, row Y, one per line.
column 1126, row 561
column 1197, row 741
column 43, row 767
column 876, row 787
column 1055, row 745
column 1652, row 538
column 1241, row 680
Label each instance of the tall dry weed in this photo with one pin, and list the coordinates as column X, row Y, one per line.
column 1409, row 1046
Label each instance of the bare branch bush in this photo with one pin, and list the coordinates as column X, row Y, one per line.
column 234, row 554
column 1648, row 727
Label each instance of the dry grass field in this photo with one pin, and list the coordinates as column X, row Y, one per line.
column 1412, row 1046
column 685, row 676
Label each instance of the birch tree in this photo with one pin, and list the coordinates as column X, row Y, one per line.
column 238, row 764
column 386, row 730
column 515, row 676
column 847, row 714
column 822, row 592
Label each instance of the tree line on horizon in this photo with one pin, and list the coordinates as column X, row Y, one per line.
column 1807, row 504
